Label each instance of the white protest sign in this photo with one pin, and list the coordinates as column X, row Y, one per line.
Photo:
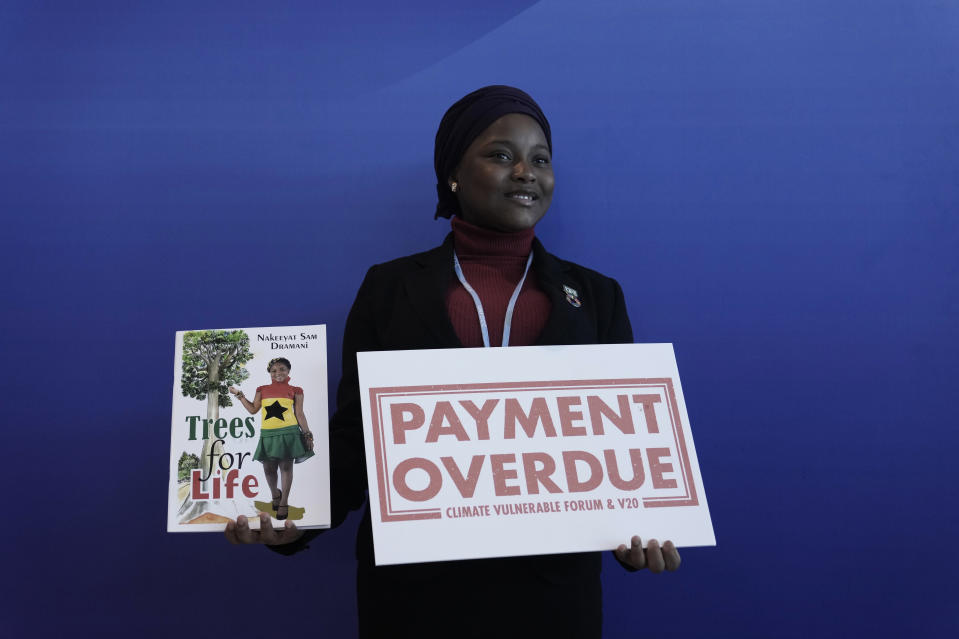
column 488, row 452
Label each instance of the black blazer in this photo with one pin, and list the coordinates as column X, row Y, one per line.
column 401, row 305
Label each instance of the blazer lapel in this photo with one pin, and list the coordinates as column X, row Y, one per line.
column 566, row 324
column 426, row 289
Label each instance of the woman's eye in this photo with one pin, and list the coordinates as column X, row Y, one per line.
column 541, row 161
column 500, row 155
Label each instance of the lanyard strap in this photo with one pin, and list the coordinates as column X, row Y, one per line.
column 479, row 305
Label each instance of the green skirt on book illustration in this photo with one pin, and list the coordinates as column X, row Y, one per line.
column 278, row 444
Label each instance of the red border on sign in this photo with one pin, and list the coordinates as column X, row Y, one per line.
column 688, row 497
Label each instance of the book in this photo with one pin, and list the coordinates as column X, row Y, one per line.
column 249, row 432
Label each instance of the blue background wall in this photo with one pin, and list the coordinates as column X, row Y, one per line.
column 775, row 184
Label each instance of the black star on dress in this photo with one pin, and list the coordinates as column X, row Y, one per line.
column 276, row 409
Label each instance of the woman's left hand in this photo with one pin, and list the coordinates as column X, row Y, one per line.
column 239, row 532
column 655, row 558
column 308, row 440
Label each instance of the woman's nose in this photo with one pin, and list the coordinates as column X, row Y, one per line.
column 523, row 172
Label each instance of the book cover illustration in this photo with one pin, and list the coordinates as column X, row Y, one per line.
column 249, row 428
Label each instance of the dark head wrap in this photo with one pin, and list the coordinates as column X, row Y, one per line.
column 464, row 121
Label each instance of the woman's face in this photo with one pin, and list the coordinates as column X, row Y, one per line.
column 505, row 179
column 279, row 372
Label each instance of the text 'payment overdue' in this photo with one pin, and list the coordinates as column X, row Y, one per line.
column 530, row 455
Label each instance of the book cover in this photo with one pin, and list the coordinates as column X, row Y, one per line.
column 249, row 428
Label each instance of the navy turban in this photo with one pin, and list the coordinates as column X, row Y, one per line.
column 464, row 121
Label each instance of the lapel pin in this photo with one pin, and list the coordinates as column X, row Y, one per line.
column 572, row 296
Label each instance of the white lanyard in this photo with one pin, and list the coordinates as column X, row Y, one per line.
column 479, row 305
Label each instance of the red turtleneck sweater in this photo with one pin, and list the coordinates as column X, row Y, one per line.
column 493, row 263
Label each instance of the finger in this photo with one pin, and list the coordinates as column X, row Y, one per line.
column 288, row 534
column 622, row 553
column 230, row 533
column 637, row 558
column 622, row 556
column 654, row 557
column 243, row 533
column 267, row 534
column 671, row 556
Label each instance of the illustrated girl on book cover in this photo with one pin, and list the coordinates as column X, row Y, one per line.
column 285, row 436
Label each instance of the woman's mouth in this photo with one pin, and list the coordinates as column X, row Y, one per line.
column 522, row 197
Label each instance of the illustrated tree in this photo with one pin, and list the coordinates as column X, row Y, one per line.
column 212, row 362
column 185, row 465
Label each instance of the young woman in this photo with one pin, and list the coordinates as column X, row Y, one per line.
column 493, row 161
column 285, row 436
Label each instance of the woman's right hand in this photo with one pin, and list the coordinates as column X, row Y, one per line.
column 234, row 390
column 239, row 532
